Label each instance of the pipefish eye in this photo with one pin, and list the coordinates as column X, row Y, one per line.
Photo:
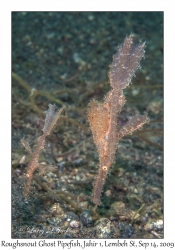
column 104, row 168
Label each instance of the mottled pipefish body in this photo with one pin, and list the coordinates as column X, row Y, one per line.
column 52, row 116
column 103, row 116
